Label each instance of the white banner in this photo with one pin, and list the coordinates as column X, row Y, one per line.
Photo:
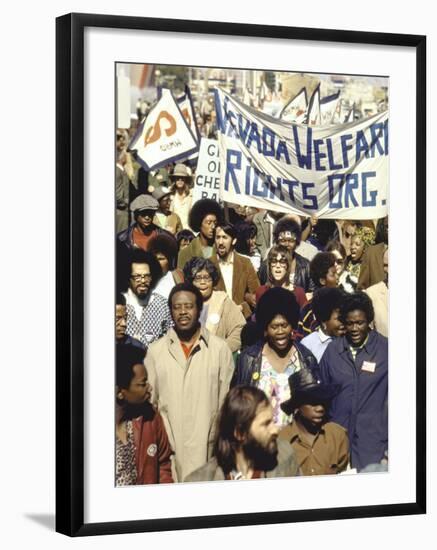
column 207, row 182
column 164, row 136
column 337, row 172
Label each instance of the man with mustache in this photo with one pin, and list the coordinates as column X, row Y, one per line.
column 238, row 277
column 148, row 315
column 246, row 445
column 190, row 370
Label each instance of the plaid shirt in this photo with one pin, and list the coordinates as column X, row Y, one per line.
column 154, row 320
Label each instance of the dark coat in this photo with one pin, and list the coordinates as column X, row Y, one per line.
column 125, row 240
column 361, row 404
column 250, row 359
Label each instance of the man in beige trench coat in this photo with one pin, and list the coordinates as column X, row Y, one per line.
column 190, row 370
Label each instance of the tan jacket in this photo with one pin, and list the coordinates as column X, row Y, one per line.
column 189, row 394
column 172, row 223
column 379, row 295
column 244, row 279
column 225, row 319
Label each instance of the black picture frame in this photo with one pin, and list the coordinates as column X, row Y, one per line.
column 70, row 272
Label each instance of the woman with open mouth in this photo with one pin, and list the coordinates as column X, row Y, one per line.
column 269, row 363
column 279, row 263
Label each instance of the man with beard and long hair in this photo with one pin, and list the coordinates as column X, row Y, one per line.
column 143, row 452
column 246, row 445
column 190, row 370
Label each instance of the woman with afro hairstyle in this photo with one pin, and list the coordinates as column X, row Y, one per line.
column 268, row 363
column 204, row 217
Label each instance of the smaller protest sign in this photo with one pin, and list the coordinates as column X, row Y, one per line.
column 207, row 182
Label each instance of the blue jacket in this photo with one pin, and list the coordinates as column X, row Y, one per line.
column 361, row 404
column 250, row 359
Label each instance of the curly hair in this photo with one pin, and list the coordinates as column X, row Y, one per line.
column 201, row 209
column 184, row 234
column 195, row 265
column 277, row 301
column 139, row 256
column 286, row 225
column 325, row 301
column 320, row 265
column 167, row 245
column 357, row 301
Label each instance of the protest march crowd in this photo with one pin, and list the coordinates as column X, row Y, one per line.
column 250, row 342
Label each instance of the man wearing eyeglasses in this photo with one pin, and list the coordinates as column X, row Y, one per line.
column 148, row 314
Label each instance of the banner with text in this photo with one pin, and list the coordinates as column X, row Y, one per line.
column 337, row 172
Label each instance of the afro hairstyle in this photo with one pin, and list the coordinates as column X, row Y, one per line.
column 287, row 225
column 166, row 244
column 357, row 301
column 320, row 265
column 325, row 301
column 277, row 301
column 201, row 209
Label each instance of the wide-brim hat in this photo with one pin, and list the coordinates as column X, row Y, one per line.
column 161, row 192
column 306, row 388
column 180, row 170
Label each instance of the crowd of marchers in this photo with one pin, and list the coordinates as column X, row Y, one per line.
column 249, row 344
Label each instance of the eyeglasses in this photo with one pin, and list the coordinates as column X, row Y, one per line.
column 137, row 278
column 200, row 278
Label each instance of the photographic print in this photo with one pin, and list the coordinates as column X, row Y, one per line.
column 252, row 273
